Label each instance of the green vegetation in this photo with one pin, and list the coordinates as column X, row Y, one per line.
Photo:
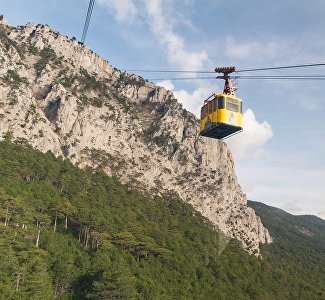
column 128, row 79
column 47, row 55
column 13, row 98
column 67, row 233
column 32, row 49
column 106, row 93
column 298, row 250
column 89, row 82
column 7, row 42
column 84, row 101
column 14, row 80
column 161, row 140
column 182, row 157
column 82, row 83
column 99, row 157
column 65, row 79
column 123, row 101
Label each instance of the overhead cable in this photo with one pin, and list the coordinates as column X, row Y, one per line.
column 237, row 71
column 87, row 21
column 278, row 77
column 282, row 67
column 170, row 71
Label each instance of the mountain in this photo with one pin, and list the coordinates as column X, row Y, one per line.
column 123, row 199
column 67, row 233
column 286, row 226
column 299, row 245
column 61, row 97
column 312, row 219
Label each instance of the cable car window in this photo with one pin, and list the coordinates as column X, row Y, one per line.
column 214, row 108
column 210, row 107
column 204, row 111
column 221, row 102
column 241, row 107
column 232, row 105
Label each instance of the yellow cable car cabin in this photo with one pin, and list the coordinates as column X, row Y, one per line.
column 221, row 116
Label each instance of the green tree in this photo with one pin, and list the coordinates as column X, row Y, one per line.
column 68, row 210
column 115, row 282
column 37, row 283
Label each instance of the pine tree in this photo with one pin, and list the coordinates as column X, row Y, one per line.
column 116, row 282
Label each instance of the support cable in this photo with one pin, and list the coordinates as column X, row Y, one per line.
column 238, row 71
column 283, row 67
column 288, row 77
column 87, row 21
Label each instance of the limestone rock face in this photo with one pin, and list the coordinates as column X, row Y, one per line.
column 60, row 96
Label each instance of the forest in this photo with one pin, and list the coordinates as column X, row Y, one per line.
column 67, row 233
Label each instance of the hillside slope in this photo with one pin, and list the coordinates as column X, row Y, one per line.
column 298, row 248
column 67, row 233
column 62, row 97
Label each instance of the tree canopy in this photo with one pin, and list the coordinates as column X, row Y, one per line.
column 67, row 233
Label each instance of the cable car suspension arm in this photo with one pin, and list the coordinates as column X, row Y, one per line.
column 229, row 88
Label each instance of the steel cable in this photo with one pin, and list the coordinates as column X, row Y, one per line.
column 87, row 21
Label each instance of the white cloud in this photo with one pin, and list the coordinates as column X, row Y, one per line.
column 321, row 214
column 293, row 187
column 157, row 14
column 289, row 197
column 249, row 143
column 292, row 207
column 250, row 49
column 167, row 84
column 124, row 11
column 302, row 208
column 192, row 101
column 174, row 43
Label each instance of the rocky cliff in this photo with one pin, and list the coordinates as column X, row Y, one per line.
column 60, row 96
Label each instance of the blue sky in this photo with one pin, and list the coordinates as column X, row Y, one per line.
column 280, row 156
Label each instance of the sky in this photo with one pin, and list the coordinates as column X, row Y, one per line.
column 280, row 156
